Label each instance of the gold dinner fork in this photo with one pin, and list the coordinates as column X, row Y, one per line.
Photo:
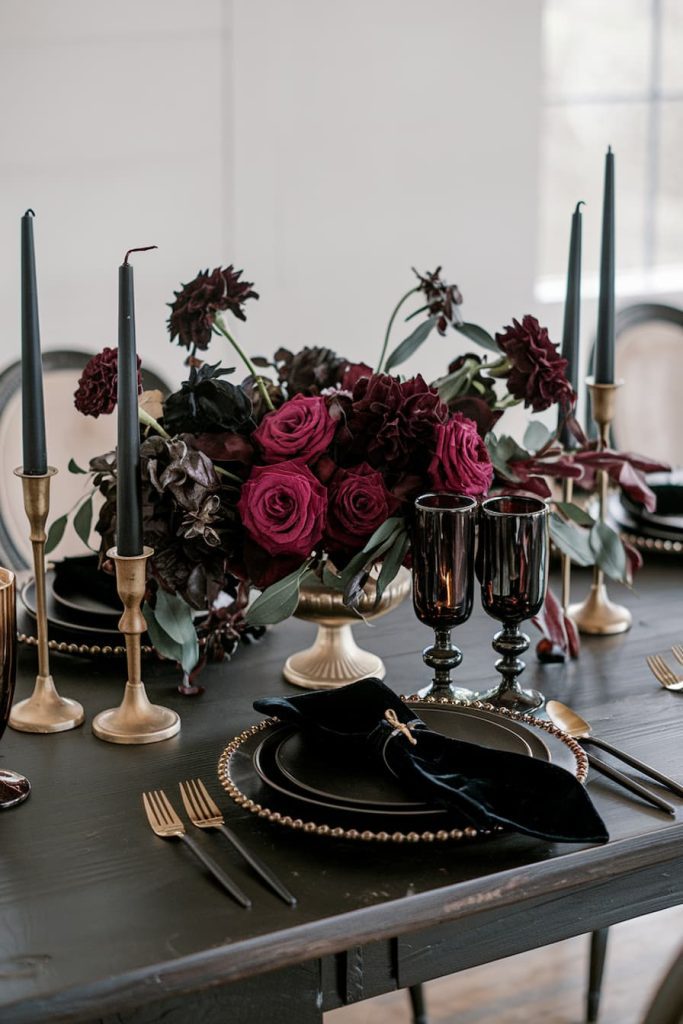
column 166, row 824
column 677, row 651
column 663, row 674
column 204, row 812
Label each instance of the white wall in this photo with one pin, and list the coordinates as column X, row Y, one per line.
column 324, row 146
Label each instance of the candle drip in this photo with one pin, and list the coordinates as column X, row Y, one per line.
column 143, row 248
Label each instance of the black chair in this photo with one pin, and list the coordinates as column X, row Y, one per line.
column 69, row 435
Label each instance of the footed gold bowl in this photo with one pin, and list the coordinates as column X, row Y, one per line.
column 335, row 659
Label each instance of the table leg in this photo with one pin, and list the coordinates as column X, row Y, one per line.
column 596, row 967
column 417, row 1002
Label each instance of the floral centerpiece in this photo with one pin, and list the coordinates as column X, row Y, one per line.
column 310, row 465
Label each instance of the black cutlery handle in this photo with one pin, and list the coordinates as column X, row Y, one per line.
column 630, row 785
column 261, row 869
column 217, row 872
column 633, row 762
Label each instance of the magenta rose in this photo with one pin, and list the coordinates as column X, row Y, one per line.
column 302, row 428
column 283, row 508
column 358, row 502
column 461, row 460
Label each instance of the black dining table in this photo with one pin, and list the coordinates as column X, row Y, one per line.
column 101, row 921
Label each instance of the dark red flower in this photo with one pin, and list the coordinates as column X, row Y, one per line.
column 442, row 299
column 196, row 305
column 352, row 373
column 282, row 508
column 391, row 424
column 461, row 462
column 357, row 503
column 96, row 391
column 538, row 371
column 302, row 428
column 309, row 371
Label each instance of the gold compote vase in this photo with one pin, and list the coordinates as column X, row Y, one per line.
column 335, row 659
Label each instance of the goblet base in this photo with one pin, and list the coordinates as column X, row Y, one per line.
column 14, row 788
column 514, row 698
column 449, row 692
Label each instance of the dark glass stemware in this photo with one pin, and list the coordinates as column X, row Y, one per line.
column 443, row 581
column 512, row 565
column 13, row 787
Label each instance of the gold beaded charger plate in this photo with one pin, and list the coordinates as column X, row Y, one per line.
column 329, row 816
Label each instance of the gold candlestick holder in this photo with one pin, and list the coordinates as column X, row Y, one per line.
column 135, row 720
column 565, row 560
column 597, row 615
column 44, row 711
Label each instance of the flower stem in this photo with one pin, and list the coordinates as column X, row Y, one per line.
column 220, row 326
column 500, row 368
column 390, row 325
column 149, row 421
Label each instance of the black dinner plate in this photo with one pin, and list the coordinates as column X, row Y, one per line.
column 92, row 634
column 303, row 772
column 83, row 593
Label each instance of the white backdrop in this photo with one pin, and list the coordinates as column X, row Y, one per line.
column 324, row 146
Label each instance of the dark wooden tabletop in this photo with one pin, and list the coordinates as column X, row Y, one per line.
column 100, row 920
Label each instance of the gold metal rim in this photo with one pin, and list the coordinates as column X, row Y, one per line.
column 367, row 835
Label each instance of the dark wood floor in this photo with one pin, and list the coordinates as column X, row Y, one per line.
column 543, row 985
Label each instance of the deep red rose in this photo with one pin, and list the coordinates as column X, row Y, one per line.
column 390, row 422
column 461, row 461
column 478, row 410
column 357, row 503
column 97, row 387
column 283, row 508
column 352, row 373
column 538, row 370
column 302, row 428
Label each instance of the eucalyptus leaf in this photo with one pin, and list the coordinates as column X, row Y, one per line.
column 609, row 551
column 187, row 653
column 383, row 532
column 55, row 534
column 75, row 468
column 576, row 514
column 278, row 601
column 393, row 560
column 571, row 540
column 174, row 616
column 410, row 345
column 354, row 588
column 502, row 451
column 536, row 435
column 478, row 335
column 83, row 521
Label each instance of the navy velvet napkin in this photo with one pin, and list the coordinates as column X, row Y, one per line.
column 483, row 787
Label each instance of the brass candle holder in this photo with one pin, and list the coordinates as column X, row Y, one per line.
column 565, row 560
column 597, row 615
column 44, row 711
column 135, row 720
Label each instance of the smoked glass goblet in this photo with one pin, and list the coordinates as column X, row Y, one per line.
column 443, row 581
column 512, row 565
column 13, row 787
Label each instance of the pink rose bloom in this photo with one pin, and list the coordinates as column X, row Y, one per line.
column 283, row 508
column 302, row 428
column 461, row 460
column 358, row 502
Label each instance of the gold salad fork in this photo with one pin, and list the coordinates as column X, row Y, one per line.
column 204, row 812
column 166, row 824
column 663, row 673
column 677, row 651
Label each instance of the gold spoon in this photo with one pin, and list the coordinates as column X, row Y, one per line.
column 576, row 726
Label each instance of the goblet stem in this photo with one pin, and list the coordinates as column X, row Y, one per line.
column 443, row 656
column 510, row 642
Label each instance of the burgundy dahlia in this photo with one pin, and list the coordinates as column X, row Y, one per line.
column 97, row 387
column 197, row 304
column 442, row 299
column 537, row 372
column 391, row 423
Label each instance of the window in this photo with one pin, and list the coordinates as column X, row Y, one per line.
column 613, row 75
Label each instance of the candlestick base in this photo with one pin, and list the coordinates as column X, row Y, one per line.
column 45, row 711
column 136, row 720
column 598, row 616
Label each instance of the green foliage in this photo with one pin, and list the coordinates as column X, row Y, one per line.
column 55, row 534
column 171, row 629
column 278, row 601
column 410, row 345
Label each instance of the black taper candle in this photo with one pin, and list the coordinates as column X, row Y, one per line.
column 572, row 319
column 604, row 342
column 32, row 404
column 128, row 493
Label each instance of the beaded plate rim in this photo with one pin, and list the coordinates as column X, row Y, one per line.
column 368, row 835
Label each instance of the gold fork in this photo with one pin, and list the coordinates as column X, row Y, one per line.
column 677, row 651
column 663, row 674
column 204, row 812
column 166, row 824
